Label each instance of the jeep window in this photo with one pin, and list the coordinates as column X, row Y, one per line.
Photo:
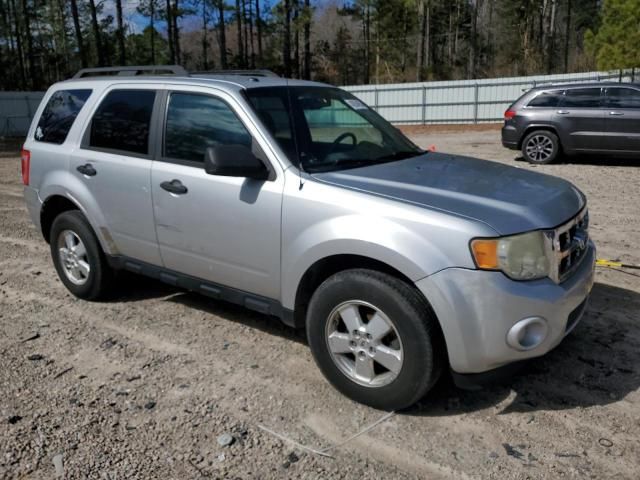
column 59, row 114
column 623, row 98
column 581, row 98
column 324, row 128
column 547, row 99
column 196, row 122
column 122, row 120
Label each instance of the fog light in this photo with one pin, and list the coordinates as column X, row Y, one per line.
column 528, row 333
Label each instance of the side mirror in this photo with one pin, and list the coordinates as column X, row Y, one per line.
column 234, row 161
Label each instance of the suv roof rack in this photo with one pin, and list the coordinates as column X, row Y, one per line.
column 245, row 73
column 132, row 71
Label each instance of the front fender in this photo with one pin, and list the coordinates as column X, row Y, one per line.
column 373, row 237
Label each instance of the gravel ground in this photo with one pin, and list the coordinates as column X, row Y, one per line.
column 144, row 386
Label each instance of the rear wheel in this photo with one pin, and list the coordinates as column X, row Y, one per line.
column 374, row 338
column 78, row 258
column 541, row 147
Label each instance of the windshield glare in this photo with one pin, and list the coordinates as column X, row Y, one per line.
column 324, row 128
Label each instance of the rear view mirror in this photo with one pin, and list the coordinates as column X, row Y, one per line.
column 234, row 161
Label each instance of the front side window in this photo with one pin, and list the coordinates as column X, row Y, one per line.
column 59, row 114
column 324, row 128
column 623, row 98
column 581, row 98
column 196, row 122
column 547, row 99
column 122, row 121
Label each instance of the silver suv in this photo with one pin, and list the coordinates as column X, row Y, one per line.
column 297, row 200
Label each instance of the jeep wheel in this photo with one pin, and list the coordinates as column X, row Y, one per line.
column 540, row 147
column 374, row 338
column 78, row 258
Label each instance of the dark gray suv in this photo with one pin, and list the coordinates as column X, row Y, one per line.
column 579, row 118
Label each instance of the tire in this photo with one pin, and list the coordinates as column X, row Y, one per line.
column 85, row 273
column 541, row 147
column 371, row 297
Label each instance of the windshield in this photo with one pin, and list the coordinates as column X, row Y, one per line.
column 323, row 128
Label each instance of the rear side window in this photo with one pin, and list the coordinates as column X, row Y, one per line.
column 59, row 114
column 547, row 99
column 623, row 98
column 196, row 122
column 582, row 98
column 122, row 121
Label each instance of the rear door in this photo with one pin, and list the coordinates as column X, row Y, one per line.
column 622, row 118
column 114, row 162
column 580, row 119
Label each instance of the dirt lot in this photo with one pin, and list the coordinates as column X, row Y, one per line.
column 143, row 386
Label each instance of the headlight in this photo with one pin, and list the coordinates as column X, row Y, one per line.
column 520, row 257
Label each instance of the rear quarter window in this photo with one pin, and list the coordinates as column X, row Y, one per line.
column 59, row 114
column 547, row 99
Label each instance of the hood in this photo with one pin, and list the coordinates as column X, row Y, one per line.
column 509, row 199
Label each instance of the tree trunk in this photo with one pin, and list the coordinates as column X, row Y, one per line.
column 245, row 60
column 96, row 33
column 222, row 35
column 120, row 33
column 259, row 30
column 205, row 63
column 78, row 30
column 152, row 8
column 18, row 36
column 307, row 40
column 176, row 31
column 172, row 52
column 239, row 33
column 422, row 24
column 473, row 57
column 29, row 37
column 567, row 37
column 296, row 41
column 251, row 40
column 552, row 33
column 286, row 43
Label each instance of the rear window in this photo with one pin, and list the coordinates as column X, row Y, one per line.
column 623, row 98
column 122, row 121
column 582, row 98
column 547, row 99
column 59, row 114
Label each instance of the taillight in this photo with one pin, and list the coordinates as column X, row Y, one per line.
column 509, row 114
column 25, row 156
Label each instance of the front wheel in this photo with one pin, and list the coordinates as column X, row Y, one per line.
column 541, row 147
column 374, row 338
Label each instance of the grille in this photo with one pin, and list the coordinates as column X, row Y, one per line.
column 569, row 244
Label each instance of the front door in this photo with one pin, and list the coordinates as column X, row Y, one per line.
column 114, row 162
column 580, row 120
column 622, row 118
column 217, row 228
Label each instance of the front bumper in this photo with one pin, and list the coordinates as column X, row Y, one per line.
column 476, row 310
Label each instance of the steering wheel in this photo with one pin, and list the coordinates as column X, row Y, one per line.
column 342, row 137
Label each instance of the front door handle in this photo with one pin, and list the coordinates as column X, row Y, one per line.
column 87, row 169
column 563, row 112
column 616, row 113
column 174, row 186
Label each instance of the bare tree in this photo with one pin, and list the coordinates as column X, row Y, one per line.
column 120, row 33
column 286, row 41
column 222, row 37
column 307, row 40
column 170, row 36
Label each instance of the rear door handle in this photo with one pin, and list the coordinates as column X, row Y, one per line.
column 563, row 112
column 616, row 113
column 87, row 169
column 174, row 186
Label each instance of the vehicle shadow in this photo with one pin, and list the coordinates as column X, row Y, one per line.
column 597, row 364
column 601, row 160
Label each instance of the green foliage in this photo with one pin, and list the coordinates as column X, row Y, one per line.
column 617, row 40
